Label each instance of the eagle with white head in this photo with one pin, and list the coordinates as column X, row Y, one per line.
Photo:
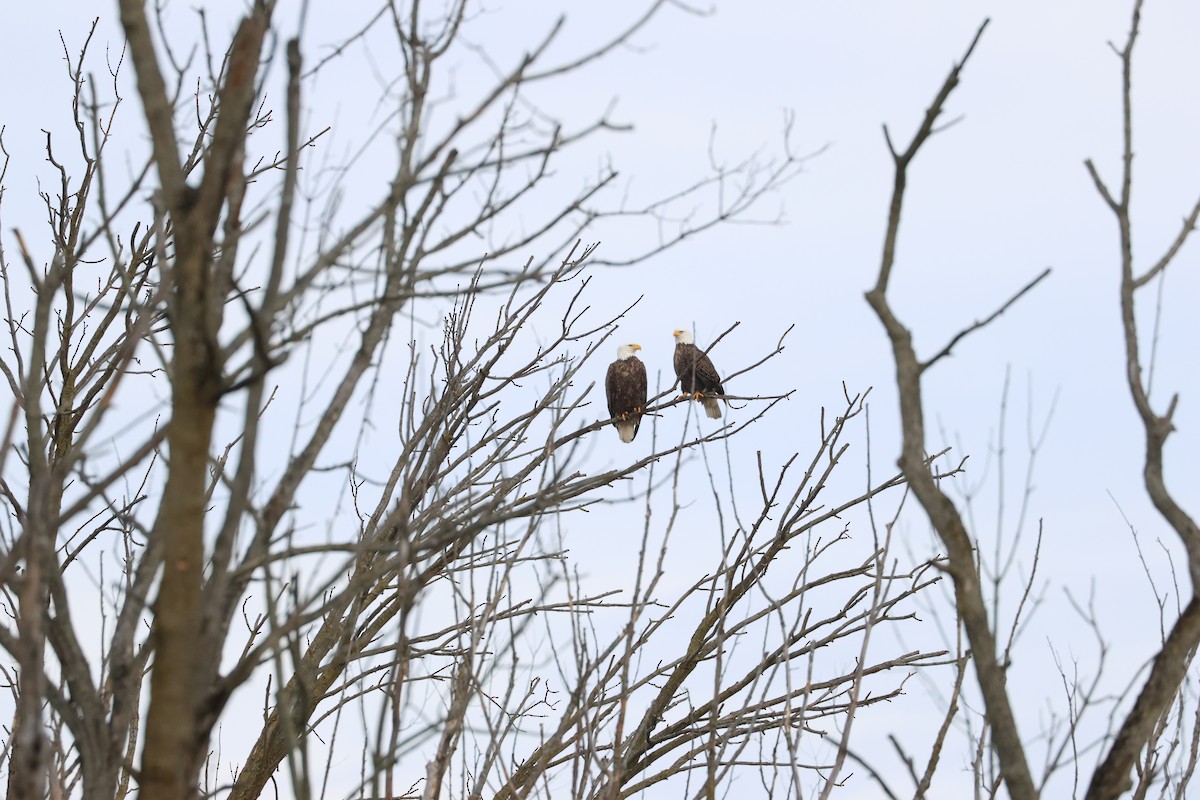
column 625, row 385
column 697, row 375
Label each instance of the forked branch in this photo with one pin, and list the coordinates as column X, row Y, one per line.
column 945, row 518
column 1112, row 776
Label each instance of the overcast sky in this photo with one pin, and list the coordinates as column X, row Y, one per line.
column 993, row 200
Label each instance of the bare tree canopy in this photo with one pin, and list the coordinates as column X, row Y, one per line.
column 308, row 452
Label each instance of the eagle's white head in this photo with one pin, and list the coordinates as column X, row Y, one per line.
column 627, row 350
column 683, row 337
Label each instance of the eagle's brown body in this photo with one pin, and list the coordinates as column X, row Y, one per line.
column 697, row 375
column 625, row 385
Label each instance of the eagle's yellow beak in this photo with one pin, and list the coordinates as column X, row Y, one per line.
column 676, row 333
column 636, row 346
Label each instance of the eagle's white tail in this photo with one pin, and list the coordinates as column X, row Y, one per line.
column 627, row 430
column 712, row 407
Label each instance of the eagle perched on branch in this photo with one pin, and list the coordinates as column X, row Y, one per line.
column 697, row 375
column 626, row 388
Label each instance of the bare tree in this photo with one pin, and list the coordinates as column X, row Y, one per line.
column 411, row 601
column 1140, row 726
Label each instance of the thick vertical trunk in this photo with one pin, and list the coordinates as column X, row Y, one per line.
column 175, row 742
column 171, row 741
column 173, row 749
column 30, row 753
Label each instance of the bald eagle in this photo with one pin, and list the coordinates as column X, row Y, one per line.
column 697, row 375
column 626, row 388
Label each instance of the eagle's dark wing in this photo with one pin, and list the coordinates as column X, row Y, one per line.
column 612, row 387
column 640, row 384
column 695, row 371
column 707, row 375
